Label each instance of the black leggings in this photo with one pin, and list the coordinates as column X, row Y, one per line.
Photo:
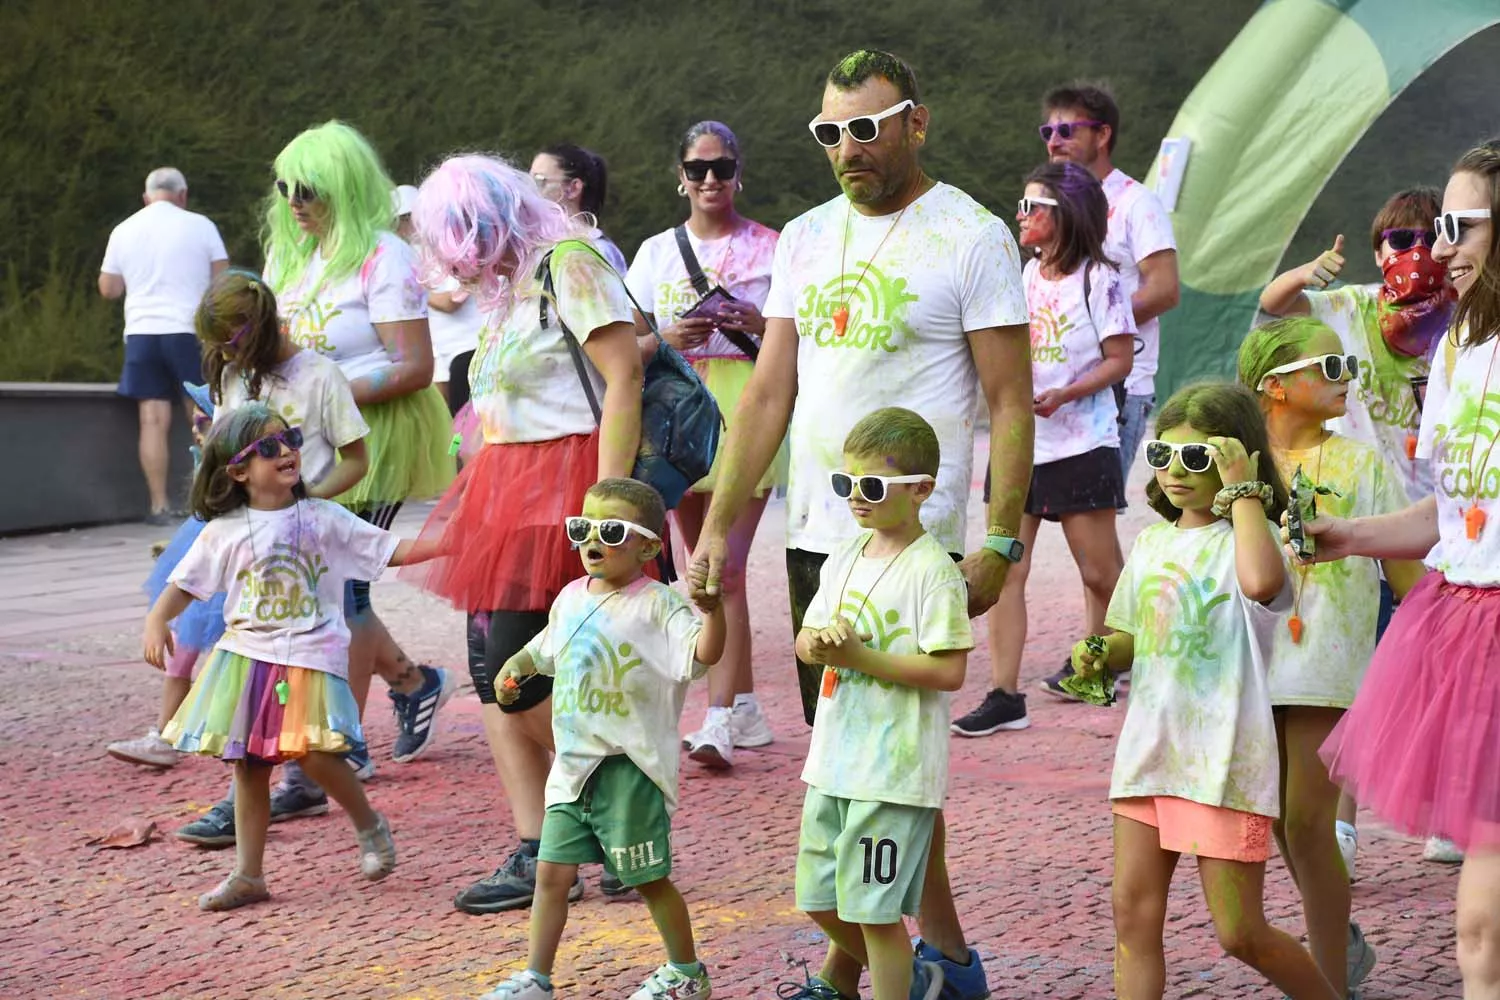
column 357, row 596
column 489, row 648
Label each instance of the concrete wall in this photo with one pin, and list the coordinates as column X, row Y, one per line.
column 69, row 455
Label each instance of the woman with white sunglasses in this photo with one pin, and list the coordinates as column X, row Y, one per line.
column 1082, row 345
column 1419, row 745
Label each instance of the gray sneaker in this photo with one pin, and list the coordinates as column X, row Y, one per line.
column 214, row 828
column 293, row 799
column 377, row 851
column 511, row 887
column 1361, row 958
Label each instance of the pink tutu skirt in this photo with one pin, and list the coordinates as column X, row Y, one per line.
column 1421, row 744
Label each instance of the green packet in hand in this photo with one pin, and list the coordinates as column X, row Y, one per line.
column 1098, row 689
column 1302, row 508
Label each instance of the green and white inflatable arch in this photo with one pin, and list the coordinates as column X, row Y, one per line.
column 1269, row 124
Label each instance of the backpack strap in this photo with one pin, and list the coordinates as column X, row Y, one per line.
column 738, row 338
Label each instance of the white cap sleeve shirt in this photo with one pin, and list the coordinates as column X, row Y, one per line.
column 337, row 317
column 1460, row 426
column 740, row 263
column 914, row 288
column 1138, row 227
column 1067, row 337
column 165, row 255
column 454, row 332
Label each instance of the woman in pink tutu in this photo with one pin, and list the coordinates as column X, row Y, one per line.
column 507, row 558
column 1421, row 743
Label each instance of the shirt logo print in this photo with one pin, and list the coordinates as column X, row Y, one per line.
column 1182, row 606
column 1047, row 331
column 282, row 585
column 877, row 310
column 593, row 669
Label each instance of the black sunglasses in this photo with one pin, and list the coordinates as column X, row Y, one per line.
column 724, row 168
column 270, row 445
column 1402, row 240
column 299, row 193
column 1196, row 457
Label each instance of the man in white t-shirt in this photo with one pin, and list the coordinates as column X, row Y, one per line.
column 161, row 260
column 902, row 291
column 1083, row 123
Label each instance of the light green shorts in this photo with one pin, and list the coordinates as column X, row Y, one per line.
column 620, row 820
column 864, row 859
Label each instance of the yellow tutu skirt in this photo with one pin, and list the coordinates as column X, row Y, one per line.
column 408, row 446
column 726, row 378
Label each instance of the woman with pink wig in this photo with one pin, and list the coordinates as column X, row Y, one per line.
column 483, row 222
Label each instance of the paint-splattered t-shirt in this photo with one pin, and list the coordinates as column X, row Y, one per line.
column 623, row 662
column 337, row 318
column 1199, row 724
column 284, row 573
column 1338, row 602
column 914, row 287
column 1067, row 337
column 454, row 332
column 1382, row 409
column 1460, row 426
column 740, row 263
column 307, row 391
column 876, row 740
column 523, row 381
column 1138, row 227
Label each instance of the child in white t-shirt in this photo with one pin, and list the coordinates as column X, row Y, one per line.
column 1196, row 769
column 623, row 649
column 276, row 687
column 890, row 627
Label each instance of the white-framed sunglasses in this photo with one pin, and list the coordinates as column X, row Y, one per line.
column 1334, row 367
column 1449, row 225
column 873, row 489
column 612, row 530
column 1196, row 456
column 862, row 128
column 1028, row 205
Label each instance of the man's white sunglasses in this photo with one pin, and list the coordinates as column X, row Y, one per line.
column 863, row 128
column 1449, row 225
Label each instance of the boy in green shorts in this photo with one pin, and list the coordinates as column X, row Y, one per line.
column 890, row 626
column 623, row 649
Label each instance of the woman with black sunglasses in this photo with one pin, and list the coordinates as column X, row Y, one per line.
column 705, row 282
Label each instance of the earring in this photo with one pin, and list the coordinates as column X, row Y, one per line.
column 681, row 191
column 739, row 185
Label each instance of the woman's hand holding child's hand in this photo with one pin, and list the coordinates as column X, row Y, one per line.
column 703, row 599
column 1234, row 465
column 157, row 644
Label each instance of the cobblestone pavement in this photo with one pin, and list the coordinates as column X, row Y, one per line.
column 1029, row 831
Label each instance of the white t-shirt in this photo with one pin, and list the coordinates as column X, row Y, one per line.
column 1199, row 724
column 943, row 269
column 1460, row 425
column 522, row 380
column 1382, row 409
column 454, row 332
column 166, row 256
column 307, row 391
column 1338, row 602
column 739, row 262
column 1067, row 339
column 623, row 662
column 1138, row 228
column 337, row 318
column 611, row 253
column 876, row 740
column 284, row 573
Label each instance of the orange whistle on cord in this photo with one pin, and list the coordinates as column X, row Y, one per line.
column 510, row 684
column 830, row 682
column 1474, row 519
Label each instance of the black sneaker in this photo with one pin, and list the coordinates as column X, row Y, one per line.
column 610, row 884
column 416, row 713
column 1001, row 710
column 511, row 887
column 292, row 800
column 214, row 828
column 1053, row 685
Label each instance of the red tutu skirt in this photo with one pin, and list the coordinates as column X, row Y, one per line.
column 501, row 526
column 1421, row 744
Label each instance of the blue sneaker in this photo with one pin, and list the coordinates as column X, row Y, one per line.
column 926, row 980
column 360, row 763
column 416, row 713
column 960, row 982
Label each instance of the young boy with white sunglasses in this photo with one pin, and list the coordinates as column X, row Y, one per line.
column 890, row 627
column 623, row 649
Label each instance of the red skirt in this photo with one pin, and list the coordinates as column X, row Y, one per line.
column 501, row 526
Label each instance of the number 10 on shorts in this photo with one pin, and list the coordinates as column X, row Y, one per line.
column 880, row 859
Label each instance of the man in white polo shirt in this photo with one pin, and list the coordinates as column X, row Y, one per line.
column 161, row 260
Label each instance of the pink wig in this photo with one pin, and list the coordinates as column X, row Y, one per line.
column 482, row 221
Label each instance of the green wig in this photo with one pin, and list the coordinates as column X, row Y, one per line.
column 1277, row 343
column 346, row 175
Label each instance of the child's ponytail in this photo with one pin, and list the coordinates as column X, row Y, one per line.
column 237, row 324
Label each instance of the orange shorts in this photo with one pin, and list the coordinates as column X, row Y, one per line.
column 1206, row 831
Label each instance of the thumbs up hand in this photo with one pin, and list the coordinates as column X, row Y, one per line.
column 1320, row 273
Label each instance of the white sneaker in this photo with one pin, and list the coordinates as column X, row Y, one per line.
column 521, row 986
column 1442, row 851
column 1348, row 845
column 668, row 983
column 713, row 745
column 748, row 725
column 150, row 750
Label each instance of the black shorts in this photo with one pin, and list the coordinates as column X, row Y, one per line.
column 156, row 365
column 1076, row 485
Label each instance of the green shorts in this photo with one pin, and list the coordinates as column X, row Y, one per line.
column 620, row 819
column 866, row 860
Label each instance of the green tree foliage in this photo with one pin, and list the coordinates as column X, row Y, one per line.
column 100, row 93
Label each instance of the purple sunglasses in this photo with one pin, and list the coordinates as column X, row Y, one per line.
column 1064, row 130
column 1402, row 240
column 270, row 445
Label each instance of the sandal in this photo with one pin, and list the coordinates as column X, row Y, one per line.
column 377, row 851
column 235, row 891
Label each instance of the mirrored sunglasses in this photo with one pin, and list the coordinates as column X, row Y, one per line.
column 1333, row 366
column 862, row 129
column 1196, row 456
column 612, row 530
column 873, row 489
column 1064, row 130
column 270, row 445
column 725, row 168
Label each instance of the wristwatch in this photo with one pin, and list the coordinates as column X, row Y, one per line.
column 1004, row 545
